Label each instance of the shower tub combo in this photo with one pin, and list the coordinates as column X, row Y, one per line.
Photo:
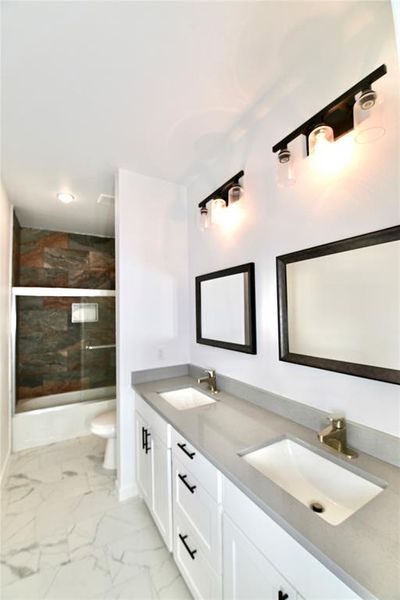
column 63, row 346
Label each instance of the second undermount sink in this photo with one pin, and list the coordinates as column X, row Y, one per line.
column 186, row 398
column 331, row 491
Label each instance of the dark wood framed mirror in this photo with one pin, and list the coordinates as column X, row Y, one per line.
column 226, row 309
column 339, row 306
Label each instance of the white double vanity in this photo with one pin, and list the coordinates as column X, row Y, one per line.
column 223, row 543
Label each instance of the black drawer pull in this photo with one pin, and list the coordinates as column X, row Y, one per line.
column 191, row 455
column 282, row 595
column 147, row 446
column 143, row 443
column 190, row 552
column 191, row 488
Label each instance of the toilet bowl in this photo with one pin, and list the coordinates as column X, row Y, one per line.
column 104, row 425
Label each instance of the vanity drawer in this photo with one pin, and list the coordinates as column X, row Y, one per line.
column 192, row 561
column 200, row 467
column 199, row 509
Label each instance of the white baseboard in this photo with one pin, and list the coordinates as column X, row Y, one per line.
column 4, row 469
column 124, row 493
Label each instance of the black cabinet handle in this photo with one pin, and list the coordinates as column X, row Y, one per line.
column 282, row 595
column 147, row 447
column 191, row 488
column 143, row 444
column 189, row 551
column 191, row 455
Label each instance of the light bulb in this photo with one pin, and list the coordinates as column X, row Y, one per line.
column 65, row 197
column 235, row 194
column 218, row 208
column 285, row 168
column 368, row 117
column 320, row 140
column 204, row 219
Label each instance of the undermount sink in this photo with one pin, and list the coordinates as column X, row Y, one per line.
column 331, row 491
column 186, row 398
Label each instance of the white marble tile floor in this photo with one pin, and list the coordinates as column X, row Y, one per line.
column 65, row 535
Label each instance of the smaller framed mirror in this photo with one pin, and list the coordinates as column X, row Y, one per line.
column 226, row 309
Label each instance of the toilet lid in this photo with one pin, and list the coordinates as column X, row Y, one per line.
column 105, row 420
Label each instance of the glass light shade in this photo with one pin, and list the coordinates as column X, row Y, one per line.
column 235, row 194
column 285, row 168
column 368, row 117
column 320, row 139
column 204, row 218
column 218, row 208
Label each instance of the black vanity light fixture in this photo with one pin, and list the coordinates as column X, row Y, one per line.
column 358, row 108
column 212, row 208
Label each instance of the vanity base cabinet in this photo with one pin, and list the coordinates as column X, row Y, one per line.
column 248, row 575
column 224, row 545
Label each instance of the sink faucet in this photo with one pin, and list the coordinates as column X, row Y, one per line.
column 211, row 379
column 335, row 436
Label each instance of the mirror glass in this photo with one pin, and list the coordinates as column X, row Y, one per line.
column 224, row 314
column 339, row 306
column 346, row 306
column 225, row 308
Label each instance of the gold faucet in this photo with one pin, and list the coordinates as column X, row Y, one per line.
column 335, row 436
column 211, row 379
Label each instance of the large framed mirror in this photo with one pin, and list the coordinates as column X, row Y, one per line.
column 226, row 309
column 339, row 306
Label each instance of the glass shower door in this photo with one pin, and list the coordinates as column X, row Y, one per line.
column 64, row 348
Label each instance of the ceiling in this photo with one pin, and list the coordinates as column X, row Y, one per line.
column 89, row 87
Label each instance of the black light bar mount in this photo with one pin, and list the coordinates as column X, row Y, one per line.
column 223, row 190
column 338, row 114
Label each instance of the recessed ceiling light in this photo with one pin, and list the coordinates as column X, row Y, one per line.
column 65, row 197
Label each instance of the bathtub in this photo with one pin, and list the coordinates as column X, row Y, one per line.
column 56, row 423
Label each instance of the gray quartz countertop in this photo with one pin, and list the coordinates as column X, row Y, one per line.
column 363, row 551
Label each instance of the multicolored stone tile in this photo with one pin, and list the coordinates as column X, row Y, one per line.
column 40, row 277
column 57, row 259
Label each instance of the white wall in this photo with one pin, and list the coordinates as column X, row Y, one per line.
column 5, row 283
column 152, row 316
column 360, row 195
column 396, row 20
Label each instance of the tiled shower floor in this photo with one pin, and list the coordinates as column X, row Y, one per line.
column 65, row 535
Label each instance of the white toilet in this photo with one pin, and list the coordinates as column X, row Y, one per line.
column 104, row 425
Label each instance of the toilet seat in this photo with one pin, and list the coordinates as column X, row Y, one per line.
column 104, row 424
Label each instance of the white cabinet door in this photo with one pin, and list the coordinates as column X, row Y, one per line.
column 143, row 459
column 161, row 488
column 248, row 575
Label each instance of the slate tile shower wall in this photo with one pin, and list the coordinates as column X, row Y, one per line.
column 58, row 259
column 51, row 353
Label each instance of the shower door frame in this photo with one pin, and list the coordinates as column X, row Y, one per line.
column 41, row 291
